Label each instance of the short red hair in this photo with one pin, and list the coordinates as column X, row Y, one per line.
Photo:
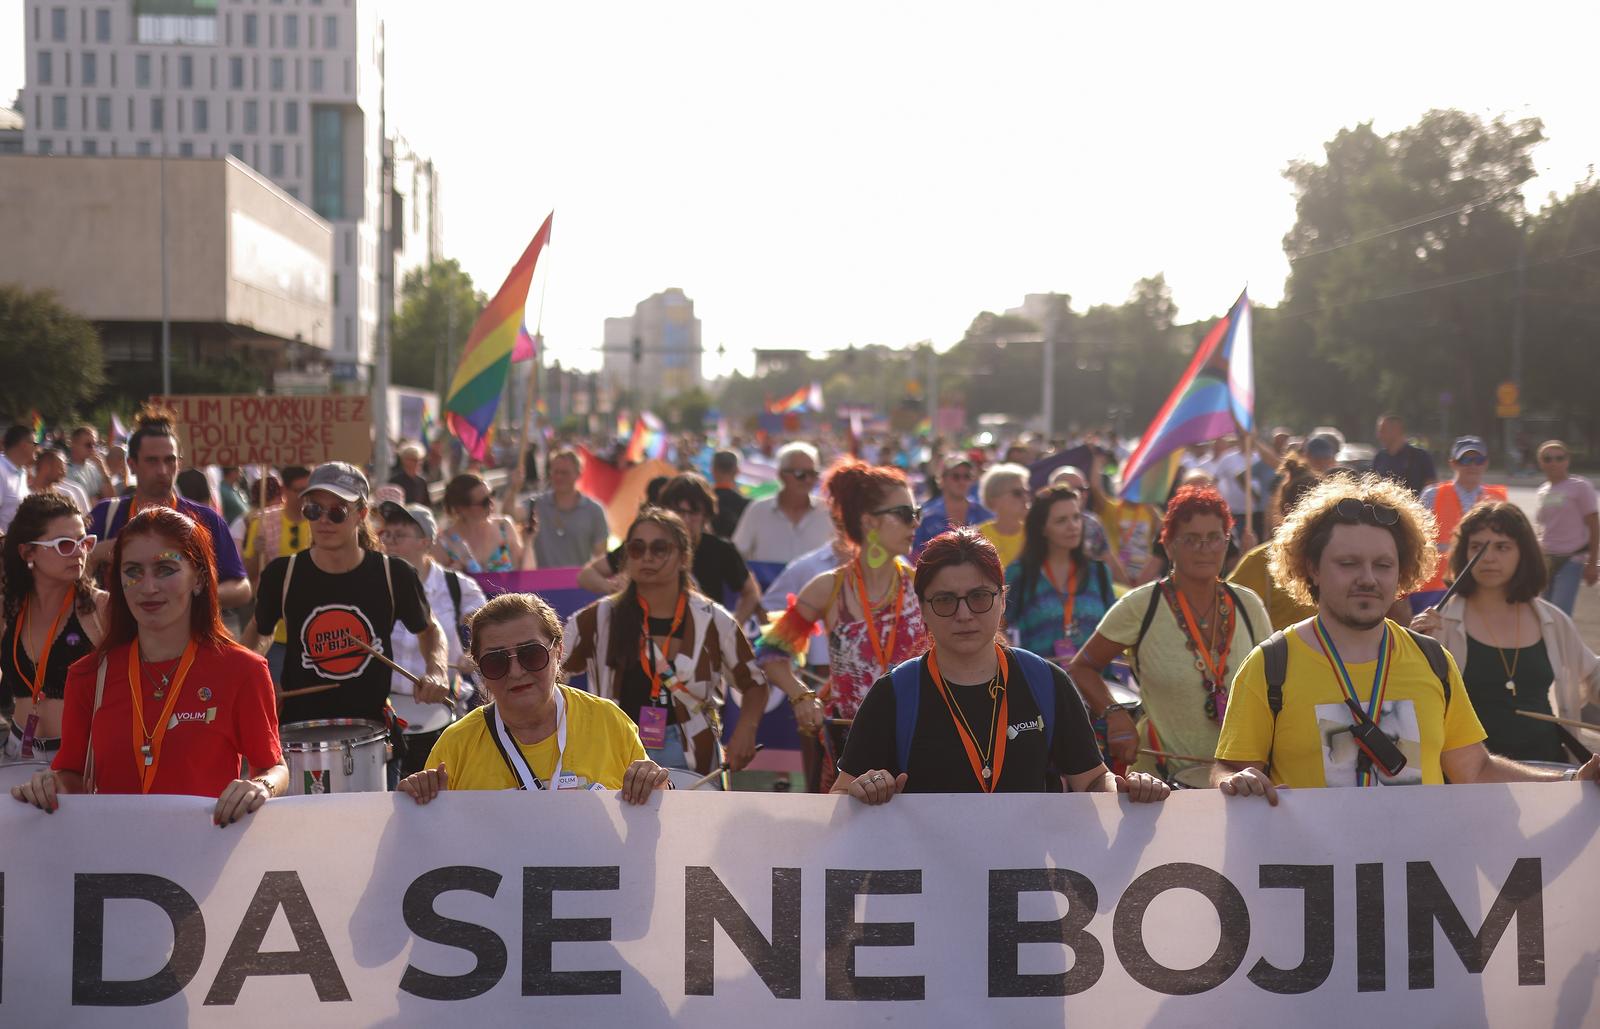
column 193, row 541
column 959, row 546
column 854, row 489
column 1191, row 501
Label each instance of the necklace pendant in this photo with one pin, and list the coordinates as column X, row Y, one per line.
column 160, row 691
column 148, row 758
column 988, row 773
column 1511, row 687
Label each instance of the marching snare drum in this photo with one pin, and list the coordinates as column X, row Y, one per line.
column 336, row 755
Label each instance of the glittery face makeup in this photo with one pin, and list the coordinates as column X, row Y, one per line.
column 163, row 565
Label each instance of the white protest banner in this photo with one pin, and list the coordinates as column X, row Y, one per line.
column 1459, row 906
column 236, row 430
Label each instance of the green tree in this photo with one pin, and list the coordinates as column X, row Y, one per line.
column 438, row 305
column 51, row 356
column 1561, row 306
column 1402, row 256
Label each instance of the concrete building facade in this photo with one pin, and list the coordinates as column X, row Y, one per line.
column 290, row 88
column 656, row 352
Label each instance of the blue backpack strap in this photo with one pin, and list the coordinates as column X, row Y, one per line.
column 1041, row 678
column 907, row 680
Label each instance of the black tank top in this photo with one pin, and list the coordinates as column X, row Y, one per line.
column 16, row 673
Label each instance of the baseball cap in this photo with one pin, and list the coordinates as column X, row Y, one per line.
column 345, row 481
column 1323, row 444
column 388, row 493
column 1468, row 445
column 416, row 512
column 956, row 459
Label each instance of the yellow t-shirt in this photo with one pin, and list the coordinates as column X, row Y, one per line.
column 1010, row 547
column 1251, row 571
column 1131, row 529
column 293, row 537
column 601, row 743
column 1310, row 743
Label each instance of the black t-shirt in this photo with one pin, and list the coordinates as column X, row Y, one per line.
column 415, row 486
column 718, row 569
column 938, row 762
column 321, row 609
column 633, row 686
column 730, row 505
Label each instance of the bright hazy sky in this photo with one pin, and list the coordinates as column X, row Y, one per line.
column 825, row 173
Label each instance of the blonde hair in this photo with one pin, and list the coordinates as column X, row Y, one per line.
column 508, row 607
column 1298, row 544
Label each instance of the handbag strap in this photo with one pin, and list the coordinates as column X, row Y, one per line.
column 99, row 695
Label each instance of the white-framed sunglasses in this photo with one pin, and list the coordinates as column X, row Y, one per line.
column 66, row 546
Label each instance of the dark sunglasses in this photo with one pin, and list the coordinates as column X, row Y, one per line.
column 637, row 549
column 1472, row 459
column 533, row 656
column 908, row 513
column 1353, row 510
column 312, row 511
column 978, row 602
column 486, row 502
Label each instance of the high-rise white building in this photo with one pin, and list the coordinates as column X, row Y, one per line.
column 654, row 354
column 290, row 87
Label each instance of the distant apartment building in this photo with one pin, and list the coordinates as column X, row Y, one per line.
column 655, row 353
column 290, row 87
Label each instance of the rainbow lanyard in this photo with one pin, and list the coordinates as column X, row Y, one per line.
column 1380, row 679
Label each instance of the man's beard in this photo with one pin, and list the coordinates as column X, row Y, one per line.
column 1347, row 617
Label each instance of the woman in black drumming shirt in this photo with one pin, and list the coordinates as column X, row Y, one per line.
column 52, row 618
column 976, row 725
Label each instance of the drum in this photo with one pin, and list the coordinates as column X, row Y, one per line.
column 1195, row 777
column 15, row 773
column 336, row 755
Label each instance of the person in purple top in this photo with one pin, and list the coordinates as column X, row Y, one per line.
column 153, row 457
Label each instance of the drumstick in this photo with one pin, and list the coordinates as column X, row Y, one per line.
column 1569, row 722
column 416, row 680
column 724, row 767
column 306, row 691
column 840, row 721
column 1459, row 580
column 1178, row 757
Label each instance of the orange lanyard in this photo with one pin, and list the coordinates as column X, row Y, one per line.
column 987, row 778
column 1070, row 600
column 147, row 743
column 645, row 662
column 1219, row 669
column 133, row 507
column 883, row 651
column 36, row 684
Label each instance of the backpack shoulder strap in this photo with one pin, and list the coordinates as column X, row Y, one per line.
column 907, row 680
column 1041, row 678
column 111, row 515
column 452, row 582
column 1244, row 612
column 1149, row 617
column 1433, row 650
column 1275, row 653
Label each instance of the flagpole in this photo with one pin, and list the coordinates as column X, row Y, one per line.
column 520, row 473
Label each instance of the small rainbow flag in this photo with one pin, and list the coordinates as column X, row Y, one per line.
column 38, row 427
column 427, row 426
column 1215, row 397
column 498, row 337
column 649, row 440
column 806, row 398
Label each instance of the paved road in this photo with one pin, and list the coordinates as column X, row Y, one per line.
column 1587, row 612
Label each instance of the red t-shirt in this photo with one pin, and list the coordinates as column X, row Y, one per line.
column 226, row 710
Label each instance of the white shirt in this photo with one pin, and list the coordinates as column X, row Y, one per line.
column 13, row 487
column 73, row 492
column 408, row 653
column 1226, row 470
column 87, row 477
column 766, row 533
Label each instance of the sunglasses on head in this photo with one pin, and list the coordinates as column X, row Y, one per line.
column 638, row 549
column 67, row 546
column 908, row 513
column 533, row 656
column 312, row 511
column 1352, row 510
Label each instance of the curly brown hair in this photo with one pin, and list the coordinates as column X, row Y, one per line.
column 1299, row 542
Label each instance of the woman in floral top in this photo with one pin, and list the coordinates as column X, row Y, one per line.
column 866, row 606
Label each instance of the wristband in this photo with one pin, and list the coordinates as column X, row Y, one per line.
column 265, row 785
column 1570, row 775
column 802, row 697
column 1125, row 708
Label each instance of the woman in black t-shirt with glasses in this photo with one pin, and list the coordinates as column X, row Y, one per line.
column 966, row 717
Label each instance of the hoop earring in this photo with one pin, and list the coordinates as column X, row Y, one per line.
column 876, row 555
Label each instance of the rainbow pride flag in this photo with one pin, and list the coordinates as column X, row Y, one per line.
column 499, row 337
column 38, row 427
column 1215, row 397
column 806, row 398
column 648, row 441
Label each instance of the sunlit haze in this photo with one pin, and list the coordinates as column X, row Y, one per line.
column 831, row 173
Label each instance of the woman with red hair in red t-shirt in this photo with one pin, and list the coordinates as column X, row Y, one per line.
column 168, row 703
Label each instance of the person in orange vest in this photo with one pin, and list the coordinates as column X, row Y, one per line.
column 1469, row 457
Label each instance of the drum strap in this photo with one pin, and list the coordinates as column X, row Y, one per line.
column 512, row 754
